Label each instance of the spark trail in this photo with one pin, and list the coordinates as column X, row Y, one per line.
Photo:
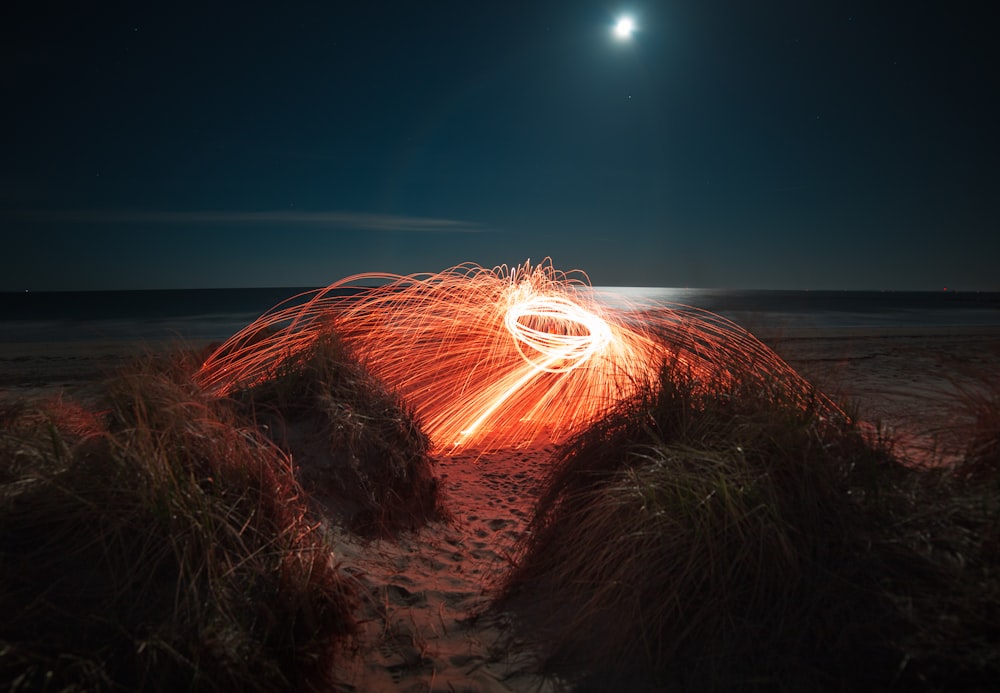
column 501, row 357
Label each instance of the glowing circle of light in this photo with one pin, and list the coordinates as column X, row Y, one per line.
column 502, row 357
column 556, row 351
column 624, row 28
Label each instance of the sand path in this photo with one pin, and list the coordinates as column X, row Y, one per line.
column 424, row 591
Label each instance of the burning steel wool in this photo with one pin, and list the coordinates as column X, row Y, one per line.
column 502, row 357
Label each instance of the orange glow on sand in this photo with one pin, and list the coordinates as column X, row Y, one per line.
column 504, row 357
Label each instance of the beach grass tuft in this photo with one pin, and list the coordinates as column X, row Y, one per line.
column 359, row 450
column 160, row 544
column 712, row 536
column 978, row 401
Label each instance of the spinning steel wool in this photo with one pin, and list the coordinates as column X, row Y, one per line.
column 501, row 357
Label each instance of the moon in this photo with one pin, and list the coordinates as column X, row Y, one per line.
column 624, row 28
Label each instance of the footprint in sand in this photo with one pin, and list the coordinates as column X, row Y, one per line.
column 398, row 594
column 465, row 659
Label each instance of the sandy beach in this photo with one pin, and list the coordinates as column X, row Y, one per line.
column 423, row 592
column 905, row 380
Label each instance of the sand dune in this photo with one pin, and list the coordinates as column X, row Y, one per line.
column 424, row 592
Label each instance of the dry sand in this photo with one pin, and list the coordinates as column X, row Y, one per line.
column 424, row 590
column 31, row 368
column 906, row 381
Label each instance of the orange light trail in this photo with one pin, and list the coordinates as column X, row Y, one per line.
column 503, row 357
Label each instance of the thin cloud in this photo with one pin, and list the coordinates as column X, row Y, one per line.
column 359, row 221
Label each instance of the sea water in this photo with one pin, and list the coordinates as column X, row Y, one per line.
column 777, row 309
column 198, row 315
column 191, row 315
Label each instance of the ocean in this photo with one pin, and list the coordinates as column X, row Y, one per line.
column 200, row 315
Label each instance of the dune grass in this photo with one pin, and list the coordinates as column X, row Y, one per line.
column 978, row 401
column 159, row 544
column 703, row 536
column 359, row 450
column 165, row 539
column 708, row 536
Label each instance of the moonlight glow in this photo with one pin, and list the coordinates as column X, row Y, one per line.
column 624, row 28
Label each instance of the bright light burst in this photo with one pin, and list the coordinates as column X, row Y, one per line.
column 503, row 357
column 624, row 28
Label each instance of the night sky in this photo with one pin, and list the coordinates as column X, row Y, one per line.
column 767, row 144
